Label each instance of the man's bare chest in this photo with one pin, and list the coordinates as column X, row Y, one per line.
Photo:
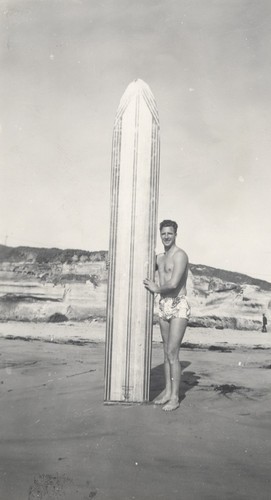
column 165, row 266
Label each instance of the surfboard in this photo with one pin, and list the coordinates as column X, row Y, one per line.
column 134, row 204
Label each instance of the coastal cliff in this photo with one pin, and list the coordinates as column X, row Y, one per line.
column 50, row 284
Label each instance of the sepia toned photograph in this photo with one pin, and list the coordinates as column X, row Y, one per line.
column 135, row 249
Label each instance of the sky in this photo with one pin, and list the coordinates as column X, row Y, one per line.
column 64, row 65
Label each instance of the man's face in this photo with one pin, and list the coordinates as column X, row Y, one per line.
column 168, row 236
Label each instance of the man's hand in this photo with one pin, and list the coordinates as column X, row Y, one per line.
column 151, row 286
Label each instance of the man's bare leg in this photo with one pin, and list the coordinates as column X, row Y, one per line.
column 164, row 396
column 175, row 337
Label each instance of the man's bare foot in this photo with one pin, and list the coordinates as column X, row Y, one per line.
column 171, row 405
column 162, row 398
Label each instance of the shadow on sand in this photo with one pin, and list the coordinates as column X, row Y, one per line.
column 188, row 381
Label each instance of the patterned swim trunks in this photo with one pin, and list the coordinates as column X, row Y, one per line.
column 174, row 307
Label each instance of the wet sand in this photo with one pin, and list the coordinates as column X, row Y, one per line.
column 59, row 441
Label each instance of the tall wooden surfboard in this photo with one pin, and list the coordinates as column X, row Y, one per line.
column 134, row 205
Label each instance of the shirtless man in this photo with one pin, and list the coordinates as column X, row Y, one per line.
column 174, row 310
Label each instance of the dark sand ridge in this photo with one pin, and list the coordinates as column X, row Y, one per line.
column 94, row 331
column 59, row 441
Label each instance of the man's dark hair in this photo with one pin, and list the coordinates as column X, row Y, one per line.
column 167, row 223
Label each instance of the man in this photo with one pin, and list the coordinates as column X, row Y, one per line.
column 264, row 323
column 174, row 310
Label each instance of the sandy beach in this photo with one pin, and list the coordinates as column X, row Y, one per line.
column 59, row 440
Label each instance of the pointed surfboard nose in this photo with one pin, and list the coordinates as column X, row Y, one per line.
column 138, row 88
